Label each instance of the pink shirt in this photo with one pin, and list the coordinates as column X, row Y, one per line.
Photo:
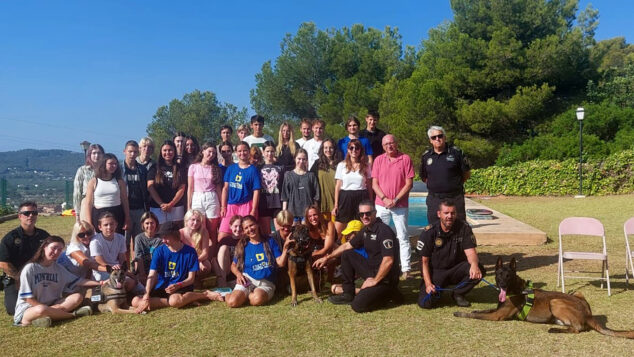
column 392, row 176
column 203, row 177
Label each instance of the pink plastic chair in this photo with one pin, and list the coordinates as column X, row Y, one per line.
column 628, row 228
column 583, row 226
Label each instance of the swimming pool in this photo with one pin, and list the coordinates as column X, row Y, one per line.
column 417, row 212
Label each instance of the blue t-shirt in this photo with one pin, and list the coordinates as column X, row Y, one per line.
column 343, row 145
column 255, row 262
column 173, row 267
column 242, row 183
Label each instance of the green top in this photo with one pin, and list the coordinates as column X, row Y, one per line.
column 327, row 189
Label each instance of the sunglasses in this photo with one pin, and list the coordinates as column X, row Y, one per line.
column 353, row 148
column 368, row 213
column 85, row 234
column 29, row 213
column 439, row 136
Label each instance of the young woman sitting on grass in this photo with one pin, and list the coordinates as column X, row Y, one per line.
column 77, row 259
column 47, row 289
column 254, row 265
column 195, row 235
column 144, row 245
column 170, row 282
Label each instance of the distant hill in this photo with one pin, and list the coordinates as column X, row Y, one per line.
column 62, row 162
column 44, row 176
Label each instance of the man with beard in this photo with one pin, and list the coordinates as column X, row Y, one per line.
column 449, row 257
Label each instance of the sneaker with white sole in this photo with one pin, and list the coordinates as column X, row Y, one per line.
column 83, row 311
column 42, row 322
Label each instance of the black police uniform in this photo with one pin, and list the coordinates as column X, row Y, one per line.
column 448, row 262
column 371, row 244
column 444, row 173
column 17, row 248
column 376, row 140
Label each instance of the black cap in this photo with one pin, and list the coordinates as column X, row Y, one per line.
column 169, row 228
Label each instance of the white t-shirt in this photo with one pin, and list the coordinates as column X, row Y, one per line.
column 312, row 147
column 353, row 180
column 258, row 142
column 108, row 250
column 301, row 141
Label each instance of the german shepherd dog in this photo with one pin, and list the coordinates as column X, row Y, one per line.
column 300, row 259
column 115, row 295
column 548, row 307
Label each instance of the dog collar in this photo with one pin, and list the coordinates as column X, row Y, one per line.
column 528, row 301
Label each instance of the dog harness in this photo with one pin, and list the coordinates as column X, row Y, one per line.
column 528, row 301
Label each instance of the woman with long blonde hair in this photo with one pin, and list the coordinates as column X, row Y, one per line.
column 286, row 147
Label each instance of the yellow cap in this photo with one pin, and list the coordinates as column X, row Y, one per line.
column 353, row 226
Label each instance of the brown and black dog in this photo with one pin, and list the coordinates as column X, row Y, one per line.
column 548, row 307
column 300, row 259
column 115, row 295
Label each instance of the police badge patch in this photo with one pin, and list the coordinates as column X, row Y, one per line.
column 429, row 161
column 438, row 242
column 388, row 244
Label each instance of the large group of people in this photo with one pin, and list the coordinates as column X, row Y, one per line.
column 229, row 209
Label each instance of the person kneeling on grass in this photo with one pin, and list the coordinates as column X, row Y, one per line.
column 254, row 265
column 170, row 282
column 47, row 289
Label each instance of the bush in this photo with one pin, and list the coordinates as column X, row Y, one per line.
column 609, row 175
column 5, row 210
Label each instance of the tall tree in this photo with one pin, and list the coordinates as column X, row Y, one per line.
column 496, row 72
column 330, row 74
column 198, row 113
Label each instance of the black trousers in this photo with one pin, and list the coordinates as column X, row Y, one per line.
column 433, row 201
column 10, row 297
column 457, row 275
column 354, row 264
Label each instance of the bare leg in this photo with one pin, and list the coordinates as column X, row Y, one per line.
column 179, row 300
column 60, row 311
column 224, row 264
column 258, row 297
column 237, row 298
column 155, row 302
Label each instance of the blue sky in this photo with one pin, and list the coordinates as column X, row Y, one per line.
column 98, row 70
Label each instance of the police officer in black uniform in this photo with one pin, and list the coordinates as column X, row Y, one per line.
column 373, row 254
column 444, row 169
column 16, row 249
column 448, row 257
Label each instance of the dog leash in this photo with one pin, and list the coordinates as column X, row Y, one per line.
column 438, row 288
column 491, row 285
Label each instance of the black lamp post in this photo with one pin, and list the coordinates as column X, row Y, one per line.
column 580, row 115
column 84, row 145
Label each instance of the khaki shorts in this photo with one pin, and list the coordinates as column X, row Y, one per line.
column 263, row 284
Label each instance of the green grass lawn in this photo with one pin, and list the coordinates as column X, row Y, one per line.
column 325, row 329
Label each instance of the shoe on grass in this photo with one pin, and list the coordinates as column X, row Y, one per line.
column 461, row 301
column 42, row 322
column 341, row 299
column 83, row 311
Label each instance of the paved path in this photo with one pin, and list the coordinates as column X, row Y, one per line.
column 501, row 230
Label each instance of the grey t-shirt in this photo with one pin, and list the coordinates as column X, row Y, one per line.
column 300, row 191
column 144, row 248
column 44, row 284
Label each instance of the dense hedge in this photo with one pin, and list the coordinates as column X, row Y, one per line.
column 610, row 175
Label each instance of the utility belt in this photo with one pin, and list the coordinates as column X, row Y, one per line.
column 445, row 194
column 5, row 281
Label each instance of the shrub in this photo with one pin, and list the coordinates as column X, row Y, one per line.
column 609, row 175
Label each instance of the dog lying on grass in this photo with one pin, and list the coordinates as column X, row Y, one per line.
column 518, row 299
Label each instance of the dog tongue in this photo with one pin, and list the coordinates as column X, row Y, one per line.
column 502, row 296
column 118, row 285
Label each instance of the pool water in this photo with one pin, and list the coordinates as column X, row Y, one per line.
column 417, row 212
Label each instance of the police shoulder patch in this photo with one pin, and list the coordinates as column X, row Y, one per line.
column 427, row 227
column 388, row 243
column 473, row 239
